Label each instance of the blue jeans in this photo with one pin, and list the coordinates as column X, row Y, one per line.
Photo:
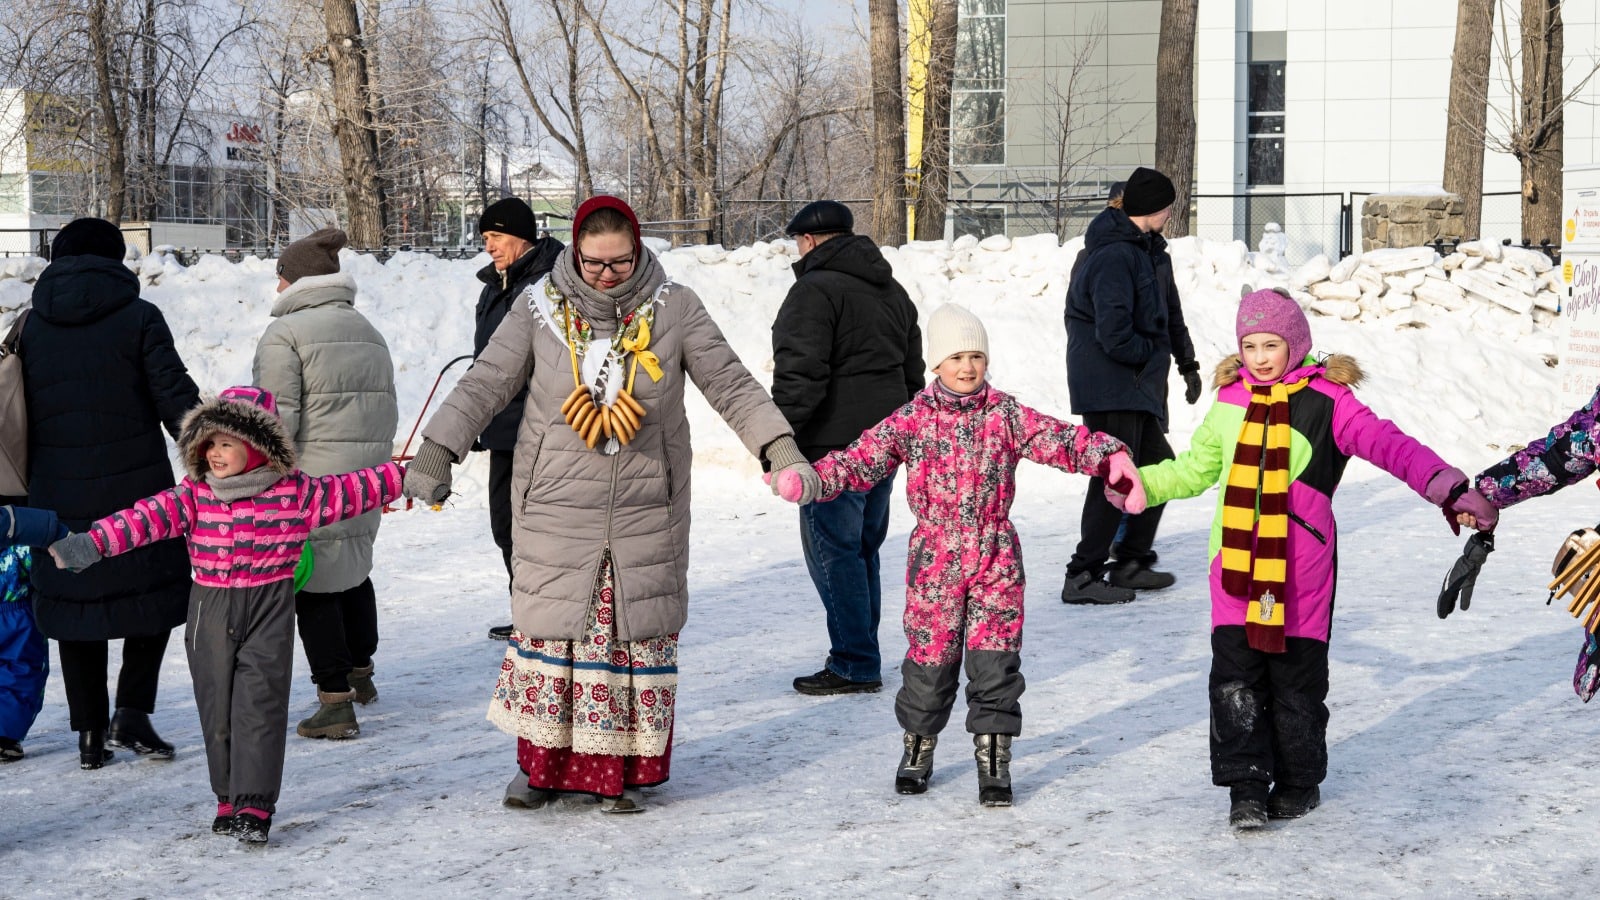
column 841, row 540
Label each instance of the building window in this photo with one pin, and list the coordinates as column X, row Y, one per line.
column 57, row 193
column 1264, row 128
column 13, row 194
column 978, row 101
column 980, row 221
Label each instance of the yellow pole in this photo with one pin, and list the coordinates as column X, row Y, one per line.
column 919, row 40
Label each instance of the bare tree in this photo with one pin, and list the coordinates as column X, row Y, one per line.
column 354, row 127
column 1082, row 120
column 933, row 175
column 888, row 125
column 1175, row 130
column 556, row 84
column 1468, row 109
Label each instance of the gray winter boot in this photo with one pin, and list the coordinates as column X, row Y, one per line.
column 335, row 717
column 521, row 795
column 994, row 768
column 361, row 683
column 631, row 801
column 916, row 764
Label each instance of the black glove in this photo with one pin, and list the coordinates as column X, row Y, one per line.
column 1192, row 388
column 1464, row 574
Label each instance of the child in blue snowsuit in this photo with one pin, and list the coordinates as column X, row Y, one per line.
column 24, row 656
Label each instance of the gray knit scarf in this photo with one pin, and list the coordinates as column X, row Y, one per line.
column 244, row 484
column 604, row 309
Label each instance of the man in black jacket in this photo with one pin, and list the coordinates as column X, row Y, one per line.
column 846, row 353
column 521, row 257
column 1124, row 326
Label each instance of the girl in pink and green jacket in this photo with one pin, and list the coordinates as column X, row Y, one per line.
column 246, row 512
column 1275, row 444
column 960, row 441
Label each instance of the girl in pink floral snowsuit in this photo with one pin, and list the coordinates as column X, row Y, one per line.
column 960, row 441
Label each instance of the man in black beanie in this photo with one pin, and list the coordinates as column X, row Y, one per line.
column 1124, row 326
column 519, row 258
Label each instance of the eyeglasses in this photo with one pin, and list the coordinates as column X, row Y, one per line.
column 595, row 266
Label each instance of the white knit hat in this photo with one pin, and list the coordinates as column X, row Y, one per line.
column 954, row 329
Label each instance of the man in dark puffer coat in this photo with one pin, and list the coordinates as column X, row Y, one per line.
column 102, row 378
column 521, row 257
column 846, row 353
column 1124, row 326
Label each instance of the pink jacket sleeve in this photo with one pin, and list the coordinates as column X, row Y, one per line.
column 333, row 498
column 169, row 514
column 1358, row 431
column 870, row 458
column 1049, row 441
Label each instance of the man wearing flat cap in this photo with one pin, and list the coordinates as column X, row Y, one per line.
column 846, row 352
column 330, row 370
column 519, row 258
column 1124, row 326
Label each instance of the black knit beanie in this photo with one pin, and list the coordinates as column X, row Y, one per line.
column 89, row 237
column 1147, row 192
column 510, row 216
column 315, row 254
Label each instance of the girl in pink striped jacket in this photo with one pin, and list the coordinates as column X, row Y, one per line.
column 246, row 512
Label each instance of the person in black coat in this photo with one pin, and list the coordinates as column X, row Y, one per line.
column 1124, row 327
column 102, row 378
column 521, row 257
column 846, row 353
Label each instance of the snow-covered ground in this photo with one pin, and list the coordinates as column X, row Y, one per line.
column 1458, row 751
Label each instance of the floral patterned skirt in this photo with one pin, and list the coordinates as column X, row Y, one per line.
column 592, row 715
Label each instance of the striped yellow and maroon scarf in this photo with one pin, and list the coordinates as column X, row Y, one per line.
column 1255, row 548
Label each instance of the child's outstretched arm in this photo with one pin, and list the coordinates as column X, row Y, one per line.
column 334, row 498
column 868, row 460
column 1062, row 445
column 1358, row 431
column 1567, row 455
column 1194, row 470
column 166, row 515
column 23, row 526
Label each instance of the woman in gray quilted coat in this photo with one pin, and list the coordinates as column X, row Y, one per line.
column 606, row 345
column 332, row 375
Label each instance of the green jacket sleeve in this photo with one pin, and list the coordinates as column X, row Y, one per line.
column 1195, row 469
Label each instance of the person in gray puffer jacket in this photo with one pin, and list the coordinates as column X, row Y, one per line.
column 607, row 348
column 333, row 377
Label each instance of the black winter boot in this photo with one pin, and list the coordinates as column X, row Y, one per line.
column 1287, row 802
column 131, row 730
column 250, row 829
column 916, row 764
column 1084, row 588
column 993, row 752
column 1249, row 805
column 92, row 752
column 10, row 750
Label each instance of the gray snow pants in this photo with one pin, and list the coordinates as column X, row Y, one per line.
column 241, row 652
column 994, row 694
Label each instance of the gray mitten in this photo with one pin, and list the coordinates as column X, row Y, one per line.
column 75, row 552
column 785, row 458
column 428, row 476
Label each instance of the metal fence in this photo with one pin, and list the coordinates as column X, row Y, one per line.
column 1312, row 223
column 36, row 241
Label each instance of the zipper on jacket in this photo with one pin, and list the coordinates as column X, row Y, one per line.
column 611, row 506
column 1307, row 526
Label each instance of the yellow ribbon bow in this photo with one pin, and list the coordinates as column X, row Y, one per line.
column 642, row 357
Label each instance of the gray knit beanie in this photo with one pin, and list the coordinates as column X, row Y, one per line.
column 315, row 254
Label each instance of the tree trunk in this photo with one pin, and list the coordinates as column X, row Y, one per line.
column 113, row 131
column 1468, row 110
column 888, row 125
column 933, row 194
column 353, row 128
column 1542, row 47
column 148, row 179
column 1175, row 134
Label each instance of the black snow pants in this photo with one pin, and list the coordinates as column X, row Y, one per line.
column 1269, row 721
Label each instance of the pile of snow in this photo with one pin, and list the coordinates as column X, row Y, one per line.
column 1422, row 327
column 1511, row 290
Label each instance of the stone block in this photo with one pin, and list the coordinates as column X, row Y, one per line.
column 1484, row 286
column 1336, row 290
column 1406, row 235
column 1390, row 261
column 1442, row 294
column 1339, row 309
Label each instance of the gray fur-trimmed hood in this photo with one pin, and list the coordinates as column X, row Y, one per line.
column 247, row 413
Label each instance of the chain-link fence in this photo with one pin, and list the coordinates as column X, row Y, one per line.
column 36, row 241
column 1311, row 224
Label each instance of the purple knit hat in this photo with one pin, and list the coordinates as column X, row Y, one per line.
column 1272, row 311
column 249, row 393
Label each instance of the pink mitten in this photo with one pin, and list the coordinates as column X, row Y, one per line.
column 791, row 486
column 1123, row 488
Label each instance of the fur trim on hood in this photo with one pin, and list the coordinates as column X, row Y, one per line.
column 1337, row 368
column 248, row 422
